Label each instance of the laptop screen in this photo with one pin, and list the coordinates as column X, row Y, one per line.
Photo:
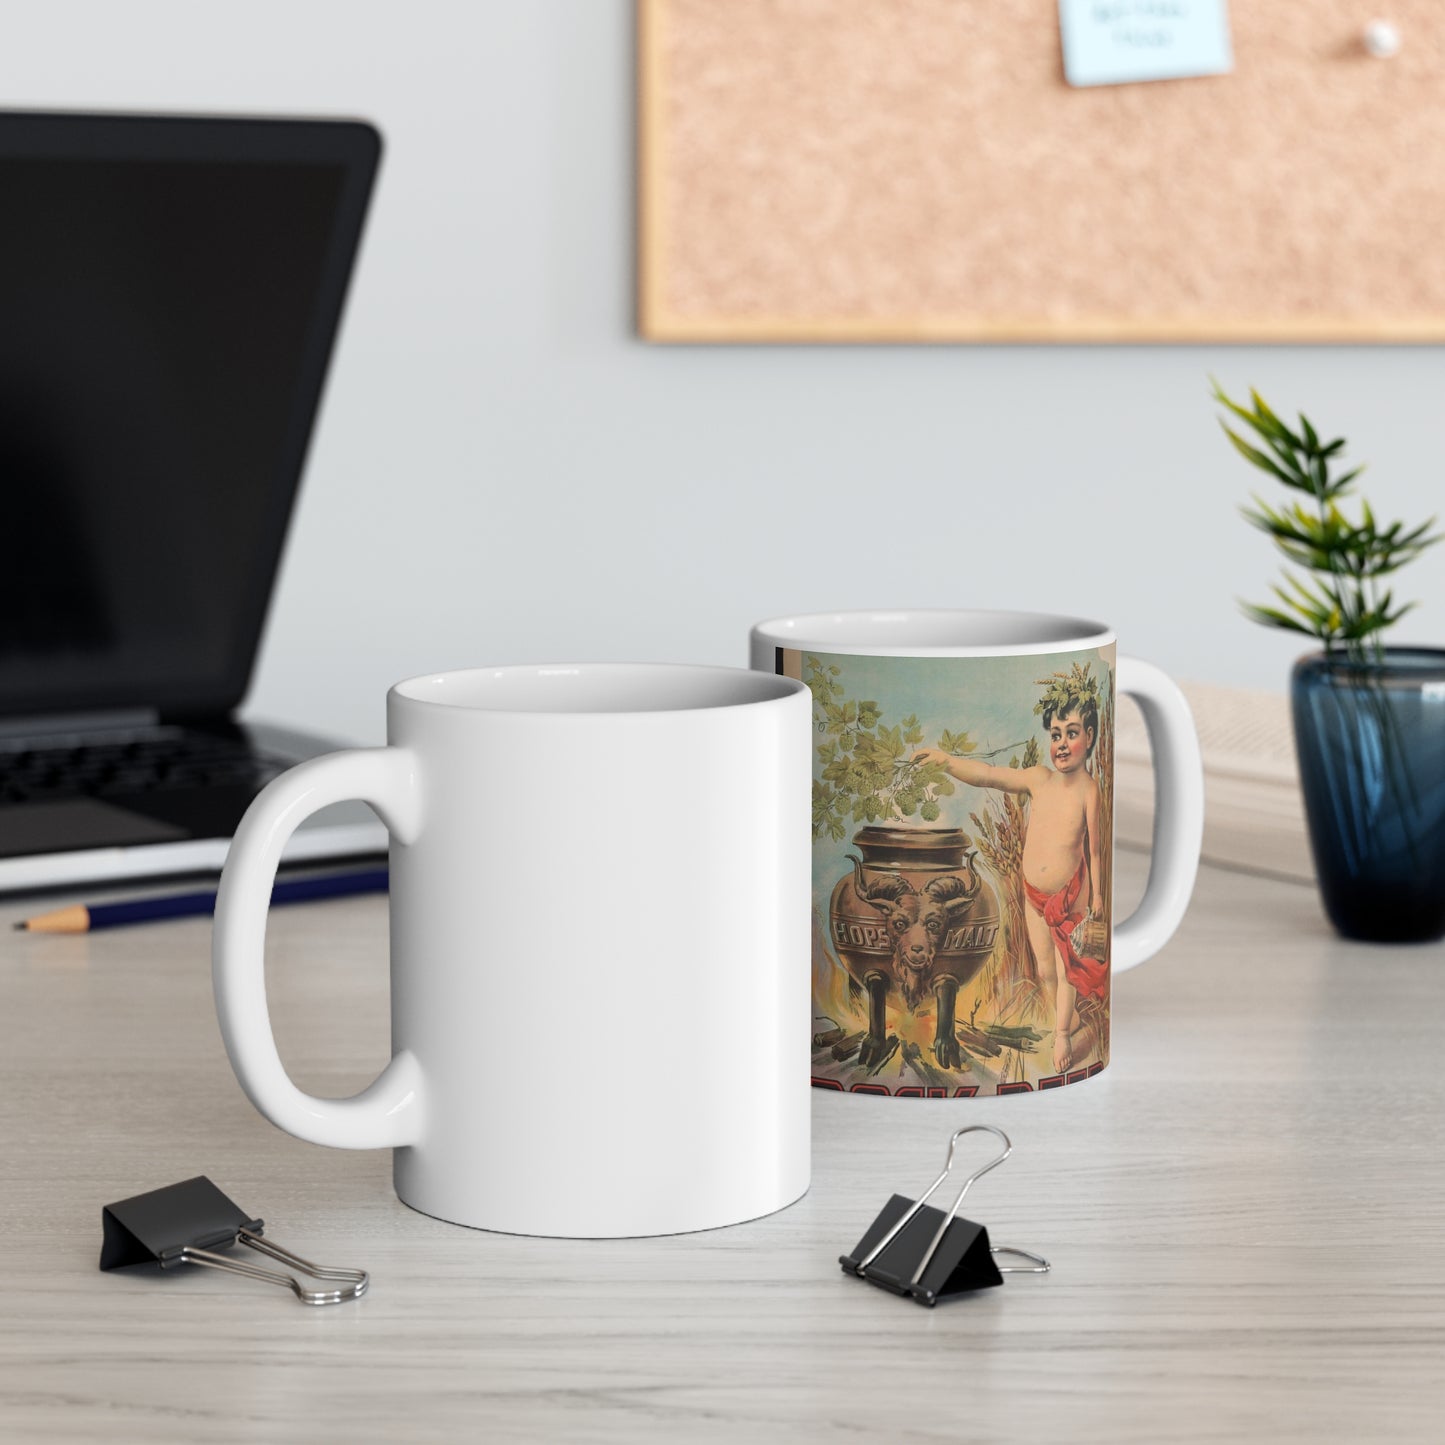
column 169, row 291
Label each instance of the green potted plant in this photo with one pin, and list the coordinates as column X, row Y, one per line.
column 1369, row 719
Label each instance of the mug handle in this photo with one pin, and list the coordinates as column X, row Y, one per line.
column 388, row 1113
column 1178, row 813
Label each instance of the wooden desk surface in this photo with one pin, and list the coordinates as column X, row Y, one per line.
column 1244, row 1214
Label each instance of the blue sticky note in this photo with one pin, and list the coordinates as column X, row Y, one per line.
column 1111, row 42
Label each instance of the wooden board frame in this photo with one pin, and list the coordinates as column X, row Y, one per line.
column 659, row 319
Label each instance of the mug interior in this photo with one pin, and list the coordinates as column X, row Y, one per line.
column 597, row 687
column 934, row 631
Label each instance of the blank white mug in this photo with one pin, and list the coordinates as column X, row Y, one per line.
column 599, row 916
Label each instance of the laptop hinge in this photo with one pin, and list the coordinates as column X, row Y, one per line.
column 79, row 723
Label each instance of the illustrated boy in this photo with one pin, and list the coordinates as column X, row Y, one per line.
column 1061, row 872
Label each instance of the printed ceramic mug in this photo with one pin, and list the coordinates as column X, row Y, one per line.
column 963, row 803
column 599, row 908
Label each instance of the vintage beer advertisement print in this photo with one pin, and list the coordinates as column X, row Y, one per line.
column 962, row 870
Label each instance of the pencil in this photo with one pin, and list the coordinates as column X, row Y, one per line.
column 82, row 919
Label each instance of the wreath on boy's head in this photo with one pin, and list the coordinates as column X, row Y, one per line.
column 1068, row 691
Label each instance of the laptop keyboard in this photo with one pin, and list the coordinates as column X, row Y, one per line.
column 110, row 764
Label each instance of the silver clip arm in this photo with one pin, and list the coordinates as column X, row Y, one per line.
column 357, row 1280
column 1008, row 1149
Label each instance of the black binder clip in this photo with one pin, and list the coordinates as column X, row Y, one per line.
column 187, row 1223
column 922, row 1252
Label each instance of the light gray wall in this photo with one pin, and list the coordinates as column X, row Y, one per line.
column 503, row 472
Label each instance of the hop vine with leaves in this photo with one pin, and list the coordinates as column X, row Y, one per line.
column 1345, row 608
column 866, row 778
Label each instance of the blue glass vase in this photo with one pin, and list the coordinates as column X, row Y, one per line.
column 1371, row 744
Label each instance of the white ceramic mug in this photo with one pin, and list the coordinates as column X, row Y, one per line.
column 599, row 906
column 964, row 938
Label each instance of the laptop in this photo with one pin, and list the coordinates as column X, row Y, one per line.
column 170, row 290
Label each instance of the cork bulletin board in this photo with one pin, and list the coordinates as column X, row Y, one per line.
column 904, row 170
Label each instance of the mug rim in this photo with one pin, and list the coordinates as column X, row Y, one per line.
column 748, row 688
column 838, row 632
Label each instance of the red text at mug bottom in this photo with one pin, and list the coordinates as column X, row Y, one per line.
column 960, row 1091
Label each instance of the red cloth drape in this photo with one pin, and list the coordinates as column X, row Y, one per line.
column 1089, row 976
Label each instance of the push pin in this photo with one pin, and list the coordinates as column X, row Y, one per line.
column 187, row 1223
column 915, row 1250
column 1381, row 39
